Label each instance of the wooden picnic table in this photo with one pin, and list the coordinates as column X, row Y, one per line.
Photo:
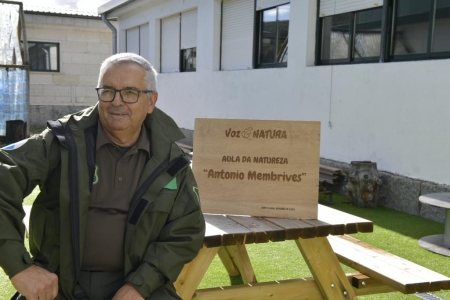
column 323, row 244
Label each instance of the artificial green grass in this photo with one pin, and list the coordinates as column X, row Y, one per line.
column 394, row 231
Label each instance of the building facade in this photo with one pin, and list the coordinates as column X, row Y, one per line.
column 66, row 48
column 374, row 73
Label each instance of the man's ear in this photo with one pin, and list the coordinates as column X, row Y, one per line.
column 153, row 99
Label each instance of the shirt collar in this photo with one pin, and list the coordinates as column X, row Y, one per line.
column 143, row 142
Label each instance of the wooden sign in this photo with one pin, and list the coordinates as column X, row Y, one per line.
column 257, row 168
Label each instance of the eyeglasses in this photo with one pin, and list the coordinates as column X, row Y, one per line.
column 127, row 95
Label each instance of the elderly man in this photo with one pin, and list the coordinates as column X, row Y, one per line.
column 118, row 214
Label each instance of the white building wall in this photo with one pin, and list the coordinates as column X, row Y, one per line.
column 396, row 114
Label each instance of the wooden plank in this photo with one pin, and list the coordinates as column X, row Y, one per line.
column 330, row 169
column 280, row 290
column 193, row 272
column 264, row 230
column 353, row 224
column 375, row 267
column 240, row 257
column 294, row 228
column 243, row 166
column 228, row 262
column 234, row 229
column 322, row 228
column 324, row 266
column 437, row 281
column 231, row 232
column 213, row 235
column 396, row 272
column 293, row 289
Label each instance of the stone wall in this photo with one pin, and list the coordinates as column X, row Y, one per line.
column 40, row 114
column 83, row 44
column 400, row 192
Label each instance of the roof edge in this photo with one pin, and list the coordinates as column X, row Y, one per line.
column 67, row 15
column 112, row 5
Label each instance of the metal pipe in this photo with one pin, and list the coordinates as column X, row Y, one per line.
column 114, row 33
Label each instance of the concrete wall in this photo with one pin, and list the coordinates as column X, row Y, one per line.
column 395, row 114
column 84, row 44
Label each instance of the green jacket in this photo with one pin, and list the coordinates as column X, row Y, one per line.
column 165, row 227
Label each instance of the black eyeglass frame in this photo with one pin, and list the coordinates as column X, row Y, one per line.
column 120, row 93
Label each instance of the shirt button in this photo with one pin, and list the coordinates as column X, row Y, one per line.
column 120, row 178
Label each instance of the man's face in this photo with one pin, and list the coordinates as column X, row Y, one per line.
column 117, row 117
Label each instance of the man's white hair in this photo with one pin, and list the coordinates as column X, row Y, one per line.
column 150, row 72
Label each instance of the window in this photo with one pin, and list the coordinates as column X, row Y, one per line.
column 237, row 34
column 44, row 57
column 254, row 34
column 179, row 42
column 352, row 32
column 420, row 29
column 353, row 36
column 137, row 40
column 188, row 41
column 188, row 59
column 273, row 33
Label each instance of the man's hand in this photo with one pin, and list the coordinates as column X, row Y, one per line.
column 127, row 292
column 36, row 283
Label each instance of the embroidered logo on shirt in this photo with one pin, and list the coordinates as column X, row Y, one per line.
column 95, row 180
column 195, row 189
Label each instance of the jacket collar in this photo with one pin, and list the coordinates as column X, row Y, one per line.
column 162, row 129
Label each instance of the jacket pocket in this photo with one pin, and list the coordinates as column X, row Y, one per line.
column 152, row 222
column 163, row 202
column 44, row 230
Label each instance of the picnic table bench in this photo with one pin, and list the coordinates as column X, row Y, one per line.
column 322, row 242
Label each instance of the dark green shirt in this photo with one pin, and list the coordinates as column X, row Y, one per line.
column 115, row 180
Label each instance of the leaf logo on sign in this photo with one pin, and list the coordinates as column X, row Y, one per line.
column 248, row 133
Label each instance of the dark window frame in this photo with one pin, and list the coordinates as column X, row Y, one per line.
column 182, row 61
column 352, row 30
column 58, row 56
column 258, row 36
column 181, row 67
column 389, row 20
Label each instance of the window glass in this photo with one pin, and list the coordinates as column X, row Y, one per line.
column 441, row 37
column 412, row 30
column 335, row 37
column 274, row 35
column 268, row 35
column 368, row 33
column 411, row 27
column 283, row 32
column 43, row 56
column 189, row 59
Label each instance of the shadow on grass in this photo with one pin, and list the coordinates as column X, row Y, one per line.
column 405, row 224
column 236, row 280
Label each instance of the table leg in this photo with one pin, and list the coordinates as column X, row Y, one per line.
column 193, row 272
column 228, row 262
column 237, row 262
column 325, row 268
column 447, row 229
